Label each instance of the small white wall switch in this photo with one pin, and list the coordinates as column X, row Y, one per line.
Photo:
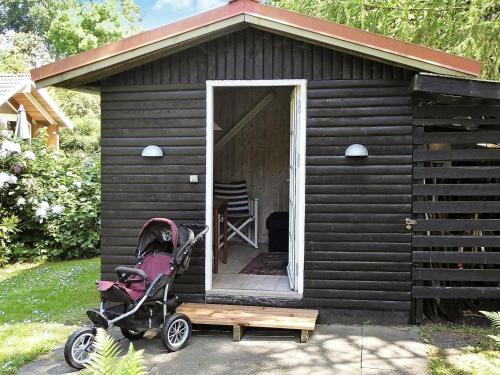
column 193, row 178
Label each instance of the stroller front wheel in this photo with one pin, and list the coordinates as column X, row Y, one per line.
column 176, row 332
column 78, row 347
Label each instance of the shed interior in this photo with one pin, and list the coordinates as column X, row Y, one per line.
column 258, row 153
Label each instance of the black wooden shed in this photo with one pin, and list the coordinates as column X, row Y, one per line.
column 251, row 92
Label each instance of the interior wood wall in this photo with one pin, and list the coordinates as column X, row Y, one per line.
column 259, row 153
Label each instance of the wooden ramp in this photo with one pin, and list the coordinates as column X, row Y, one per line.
column 239, row 317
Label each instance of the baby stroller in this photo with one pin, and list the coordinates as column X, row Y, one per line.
column 141, row 299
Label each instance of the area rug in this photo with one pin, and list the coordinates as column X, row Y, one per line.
column 273, row 264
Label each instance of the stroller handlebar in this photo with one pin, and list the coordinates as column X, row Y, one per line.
column 196, row 226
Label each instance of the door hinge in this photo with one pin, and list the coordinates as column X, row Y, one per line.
column 410, row 223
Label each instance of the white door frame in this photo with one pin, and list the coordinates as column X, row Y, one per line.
column 301, row 173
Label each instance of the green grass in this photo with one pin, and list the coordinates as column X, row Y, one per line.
column 40, row 304
column 461, row 349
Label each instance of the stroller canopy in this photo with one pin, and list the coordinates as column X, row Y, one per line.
column 157, row 234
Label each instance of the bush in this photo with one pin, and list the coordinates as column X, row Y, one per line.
column 85, row 136
column 49, row 202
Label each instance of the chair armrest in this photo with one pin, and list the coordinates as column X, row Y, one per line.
column 124, row 272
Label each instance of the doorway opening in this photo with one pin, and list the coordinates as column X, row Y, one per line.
column 256, row 178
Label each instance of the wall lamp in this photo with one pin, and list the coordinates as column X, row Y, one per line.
column 356, row 151
column 152, row 151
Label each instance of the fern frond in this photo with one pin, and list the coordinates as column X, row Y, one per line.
column 103, row 360
column 132, row 363
column 493, row 316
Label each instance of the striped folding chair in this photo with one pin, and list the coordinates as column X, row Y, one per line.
column 242, row 211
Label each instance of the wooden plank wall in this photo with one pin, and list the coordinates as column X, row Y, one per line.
column 358, row 254
column 456, row 192
column 255, row 54
column 135, row 189
column 259, row 154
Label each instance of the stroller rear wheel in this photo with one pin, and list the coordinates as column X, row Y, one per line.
column 132, row 335
column 78, row 347
column 176, row 332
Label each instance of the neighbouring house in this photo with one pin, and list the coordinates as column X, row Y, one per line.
column 376, row 158
column 19, row 91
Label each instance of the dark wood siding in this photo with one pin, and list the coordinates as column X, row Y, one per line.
column 135, row 189
column 456, row 192
column 358, row 253
column 255, row 54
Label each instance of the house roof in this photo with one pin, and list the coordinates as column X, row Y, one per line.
column 19, row 89
column 97, row 63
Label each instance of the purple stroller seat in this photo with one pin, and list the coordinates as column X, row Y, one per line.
column 153, row 265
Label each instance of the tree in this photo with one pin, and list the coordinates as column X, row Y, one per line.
column 29, row 16
column 90, row 24
column 468, row 28
column 70, row 26
column 19, row 52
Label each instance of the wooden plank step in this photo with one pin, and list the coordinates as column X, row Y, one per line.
column 240, row 316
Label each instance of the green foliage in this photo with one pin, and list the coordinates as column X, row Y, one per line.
column 76, row 105
column 468, row 28
column 85, row 136
column 55, row 197
column 8, row 228
column 494, row 317
column 86, row 25
column 105, row 359
column 84, row 110
column 39, row 307
column 29, row 16
column 21, row 51
column 70, row 26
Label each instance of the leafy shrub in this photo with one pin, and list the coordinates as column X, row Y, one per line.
column 49, row 202
column 104, row 360
column 85, row 136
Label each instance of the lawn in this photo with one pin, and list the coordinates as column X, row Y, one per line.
column 40, row 304
column 461, row 349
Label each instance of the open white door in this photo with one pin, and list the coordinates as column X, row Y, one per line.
column 298, row 105
column 295, row 117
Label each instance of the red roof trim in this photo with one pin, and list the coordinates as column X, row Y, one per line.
column 252, row 7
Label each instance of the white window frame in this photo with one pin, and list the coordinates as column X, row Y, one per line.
column 301, row 173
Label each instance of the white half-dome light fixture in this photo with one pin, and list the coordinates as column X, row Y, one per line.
column 356, row 151
column 152, row 151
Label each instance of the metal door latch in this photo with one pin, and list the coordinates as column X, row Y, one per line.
column 410, row 223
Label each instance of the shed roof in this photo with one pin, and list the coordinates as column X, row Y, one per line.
column 97, row 63
column 455, row 86
column 17, row 89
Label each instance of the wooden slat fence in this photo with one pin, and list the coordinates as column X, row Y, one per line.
column 456, row 199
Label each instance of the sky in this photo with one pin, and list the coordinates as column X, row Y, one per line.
column 160, row 12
